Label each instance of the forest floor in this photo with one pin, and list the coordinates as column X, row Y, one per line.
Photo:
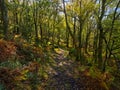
column 64, row 75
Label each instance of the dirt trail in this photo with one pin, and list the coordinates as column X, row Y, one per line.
column 61, row 75
column 64, row 75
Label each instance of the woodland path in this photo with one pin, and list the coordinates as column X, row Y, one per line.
column 61, row 75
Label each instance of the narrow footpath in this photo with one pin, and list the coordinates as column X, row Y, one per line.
column 65, row 75
column 61, row 75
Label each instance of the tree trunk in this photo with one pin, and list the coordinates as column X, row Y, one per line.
column 35, row 23
column 41, row 33
column 74, row 33
column 87, row 40
column 68, row 30
column 4, row 13
column 100, row 47
column 17, row 23
column 95, row 47
column 101, row 34
column 67, row 39
column 79, row 50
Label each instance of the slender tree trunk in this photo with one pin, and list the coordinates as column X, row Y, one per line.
column 95, row 47
column 67, row 38
column 74, row 33
column 79, row 49
column 35, row 23
column 16, row 27
column 4, row 13
column 41, row 33
column 17, row 23
column 87, row 39
column 86, row 43
column 68, row 30
column 36, row 30
column 79, row 56
column 100, row 46
column 101, row 35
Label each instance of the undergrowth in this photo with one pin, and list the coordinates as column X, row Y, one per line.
column 22, row 66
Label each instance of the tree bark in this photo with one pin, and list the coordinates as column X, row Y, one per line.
column 35, row 22
column 67, row 25
column 101, row 34
column 74, row 33
column 4, row 13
